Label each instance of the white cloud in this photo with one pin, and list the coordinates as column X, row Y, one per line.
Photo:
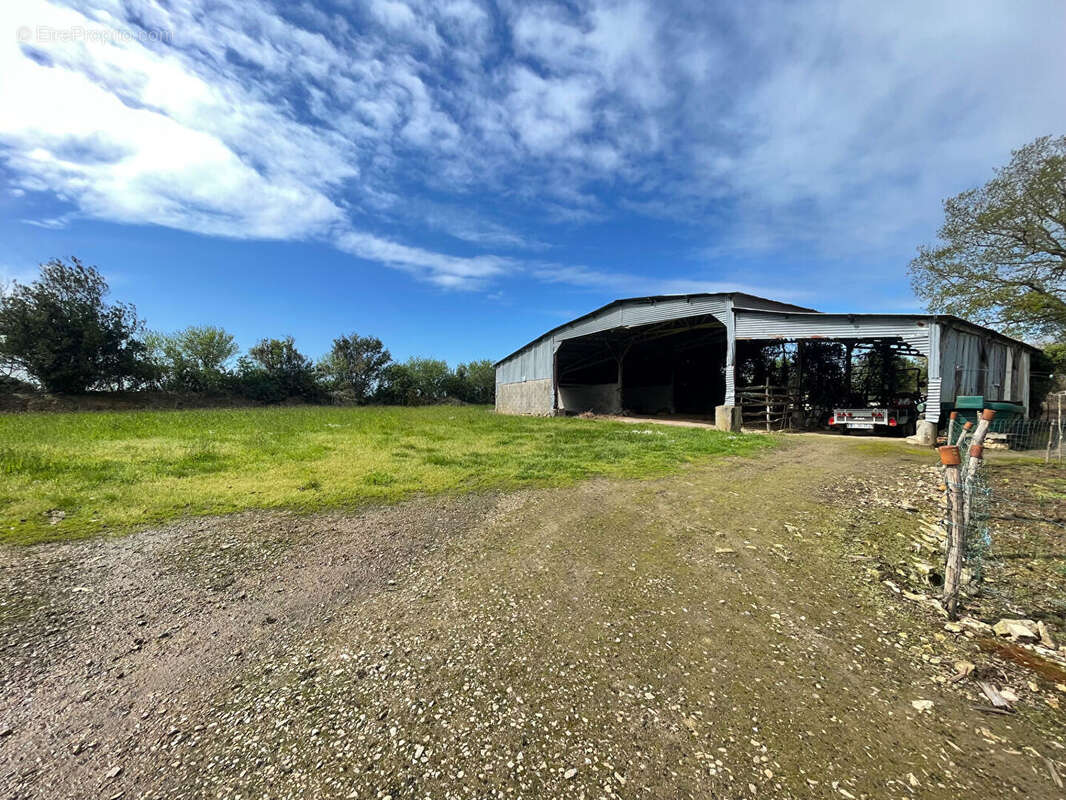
column 135, row 135
column 131, row 136
column 831, row 127
column 550, row 113
column 858, row 118
column 448, row 272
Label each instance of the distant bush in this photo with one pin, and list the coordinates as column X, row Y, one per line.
column 475, row 382
column 9, row 384
column 274, row 370
column 425, row 381
column 354, row 367
column 416, row 382
column 397, row 387
column 195, row 359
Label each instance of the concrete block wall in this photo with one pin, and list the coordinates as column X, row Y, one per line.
column 526, row 397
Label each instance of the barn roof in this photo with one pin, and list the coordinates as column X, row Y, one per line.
column 657, row 298
column 749, row 302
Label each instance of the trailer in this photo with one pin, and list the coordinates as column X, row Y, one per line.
column 889, row 420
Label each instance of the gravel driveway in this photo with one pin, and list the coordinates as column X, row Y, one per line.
column 701, row 635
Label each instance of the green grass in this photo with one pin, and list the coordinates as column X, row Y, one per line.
column 113, row 472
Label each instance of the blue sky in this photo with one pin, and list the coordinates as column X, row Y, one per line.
column 458, row 176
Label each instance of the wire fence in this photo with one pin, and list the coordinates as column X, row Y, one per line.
column 1017, row 433
column 977, row 499
column 967, row 500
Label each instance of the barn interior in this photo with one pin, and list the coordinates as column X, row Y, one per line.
column 673, row 367
column 678, row 368
column 784, row 384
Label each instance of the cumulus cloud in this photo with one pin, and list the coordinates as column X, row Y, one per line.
column 131, row 135
column 833, row 127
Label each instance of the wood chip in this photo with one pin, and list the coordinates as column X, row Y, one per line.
column 997, row 700
column 1054, row 774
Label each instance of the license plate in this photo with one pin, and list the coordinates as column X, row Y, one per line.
column 862, row 426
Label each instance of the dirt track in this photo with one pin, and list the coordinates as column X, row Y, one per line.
column 701, row 635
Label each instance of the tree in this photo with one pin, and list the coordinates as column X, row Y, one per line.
column 196, row 359
column 59, row 331
column 1001, row 258
column 397, row 386
column 278, row 370
column 475, row 382
column 430, row 377
column 355, row 365
column 1056, row 358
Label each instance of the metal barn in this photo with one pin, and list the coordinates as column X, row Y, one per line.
column 678, row 354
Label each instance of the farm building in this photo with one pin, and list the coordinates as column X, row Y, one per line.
column 694, row 354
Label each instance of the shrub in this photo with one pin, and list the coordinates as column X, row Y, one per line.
column 275, row 370
column 195, row 359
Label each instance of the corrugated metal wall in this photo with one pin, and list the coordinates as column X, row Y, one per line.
column 775, row 325
column 973, row 363
column 960, row 358
column 920, row 333
column 646, row 313
column 996, row 381
column 1022, row 392
column 530, row 364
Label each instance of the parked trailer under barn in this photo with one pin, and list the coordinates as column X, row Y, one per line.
column 678, row 354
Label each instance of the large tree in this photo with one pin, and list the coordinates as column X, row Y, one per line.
column 61, row 332
column 1001, row 258
column 355, row 365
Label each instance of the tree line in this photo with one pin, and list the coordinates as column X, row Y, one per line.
column 60, row 334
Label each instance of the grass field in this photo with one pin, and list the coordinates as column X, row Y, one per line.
column 69, row 475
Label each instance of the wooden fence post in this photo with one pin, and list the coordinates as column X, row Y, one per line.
column 954, row 415
column 973, row 463
column 949, row 457
column 962, row 434
column 982, row 426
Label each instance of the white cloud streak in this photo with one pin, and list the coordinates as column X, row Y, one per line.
column 622, row 283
